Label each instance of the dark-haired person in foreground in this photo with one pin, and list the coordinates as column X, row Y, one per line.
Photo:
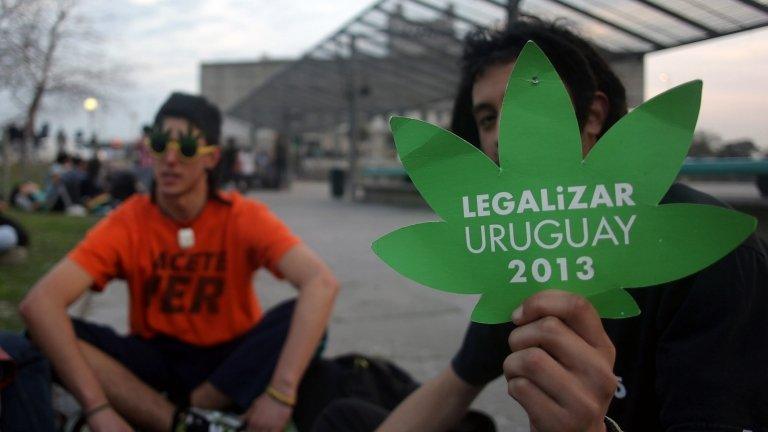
column 694, row 360
column 198, row 334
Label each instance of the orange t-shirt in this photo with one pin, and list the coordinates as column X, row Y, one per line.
column 202, row 295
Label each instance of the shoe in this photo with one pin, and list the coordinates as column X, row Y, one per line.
column 200, row 420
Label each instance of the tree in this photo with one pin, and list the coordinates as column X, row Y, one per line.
column 50, row 49
column 8, row 11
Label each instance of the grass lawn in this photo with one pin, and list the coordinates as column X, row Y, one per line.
column 52, row 236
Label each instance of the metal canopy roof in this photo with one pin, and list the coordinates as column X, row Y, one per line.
column 400, row 55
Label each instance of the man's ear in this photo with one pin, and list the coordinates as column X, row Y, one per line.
column 598, row 111
column 212, row 158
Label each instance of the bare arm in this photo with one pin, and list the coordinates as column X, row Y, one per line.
column 44, row 309
column 436, row 406
column 317, row 290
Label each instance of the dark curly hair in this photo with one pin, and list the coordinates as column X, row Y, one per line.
column 578, row 63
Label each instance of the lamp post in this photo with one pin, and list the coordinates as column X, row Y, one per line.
column 91, row 104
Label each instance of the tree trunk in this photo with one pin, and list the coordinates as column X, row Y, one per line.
column 29, row 128
column 40, row 88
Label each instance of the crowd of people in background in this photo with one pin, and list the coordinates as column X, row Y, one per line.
column 79, row 186
column 75, row 186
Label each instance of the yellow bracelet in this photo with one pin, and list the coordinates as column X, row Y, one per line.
column 281, row 397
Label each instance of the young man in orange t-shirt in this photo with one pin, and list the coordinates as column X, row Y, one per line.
column 198, row 333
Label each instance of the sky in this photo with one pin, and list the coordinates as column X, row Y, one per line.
column 735, row 74
column 163, row 42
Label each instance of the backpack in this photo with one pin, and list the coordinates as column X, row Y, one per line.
column 371, row 379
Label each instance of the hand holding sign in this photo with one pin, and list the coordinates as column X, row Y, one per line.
column 545, row 218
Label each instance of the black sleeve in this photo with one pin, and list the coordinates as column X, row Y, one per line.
column 712, row 357
column 481, row 356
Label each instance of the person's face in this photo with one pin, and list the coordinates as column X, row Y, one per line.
column 488, row 94
column 176, row 175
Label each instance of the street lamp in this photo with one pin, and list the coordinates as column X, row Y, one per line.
column 91, row 104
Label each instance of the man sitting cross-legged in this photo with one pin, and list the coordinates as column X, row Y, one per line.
column 198, row 333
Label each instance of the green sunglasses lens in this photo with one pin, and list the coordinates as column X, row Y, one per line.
column 158, row 142
column 188, row 146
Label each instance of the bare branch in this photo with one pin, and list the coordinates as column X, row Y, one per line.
column 50, row 48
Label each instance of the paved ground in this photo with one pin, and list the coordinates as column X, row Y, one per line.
column 378, row 311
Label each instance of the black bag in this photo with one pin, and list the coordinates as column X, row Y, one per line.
column 375, row 380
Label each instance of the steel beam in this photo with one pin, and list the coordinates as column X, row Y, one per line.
column 461, row 18
column 634, row 34
column 709, row 31
column 759, row 6
column 410, row 38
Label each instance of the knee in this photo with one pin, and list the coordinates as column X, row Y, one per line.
column 20, row 348
column 208, row 397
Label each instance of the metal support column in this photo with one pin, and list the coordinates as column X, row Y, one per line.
column 513, row 10
column 352, row 94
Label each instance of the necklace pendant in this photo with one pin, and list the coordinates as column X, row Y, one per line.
column 186, row 238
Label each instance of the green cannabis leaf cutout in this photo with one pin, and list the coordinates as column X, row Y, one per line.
column 548, row 218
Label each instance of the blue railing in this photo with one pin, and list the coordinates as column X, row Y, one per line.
column 696, row 166
column 725, row 166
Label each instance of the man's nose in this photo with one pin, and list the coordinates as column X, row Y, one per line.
column 171, row 156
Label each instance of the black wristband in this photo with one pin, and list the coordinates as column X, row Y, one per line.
column 88, row 414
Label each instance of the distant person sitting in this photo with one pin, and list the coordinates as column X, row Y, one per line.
column 60, row 165
column 27, row 196
column 73, row 178
column 143, row 166
column 57, row 197
column 121, row 185
column 90, row 186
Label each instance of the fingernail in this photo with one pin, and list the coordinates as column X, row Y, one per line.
column 517, row 315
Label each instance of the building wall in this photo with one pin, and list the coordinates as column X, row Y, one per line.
column 226, row 83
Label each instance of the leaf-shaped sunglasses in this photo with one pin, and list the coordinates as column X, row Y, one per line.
column 189, row 144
